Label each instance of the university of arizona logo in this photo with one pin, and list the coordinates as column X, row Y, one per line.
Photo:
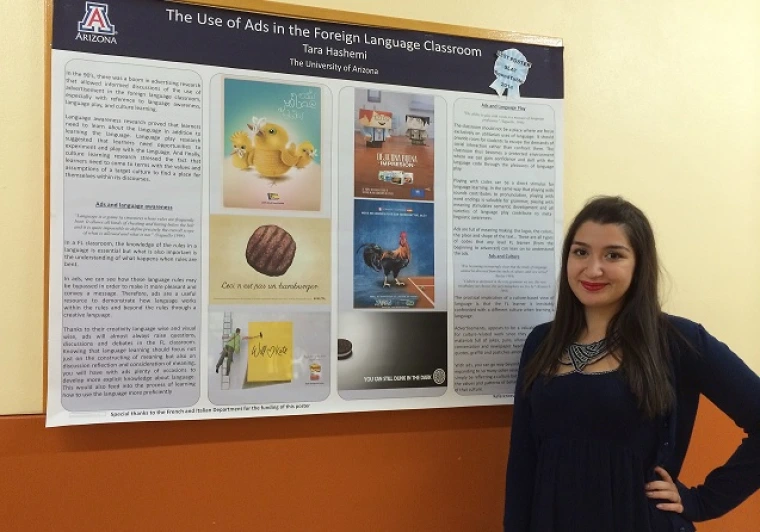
column 95, row 26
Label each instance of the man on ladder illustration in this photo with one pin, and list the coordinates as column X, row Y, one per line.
column 231, row 348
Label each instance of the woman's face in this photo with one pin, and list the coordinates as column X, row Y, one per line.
column 600, row 265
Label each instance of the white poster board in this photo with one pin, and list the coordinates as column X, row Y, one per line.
column 253, row 215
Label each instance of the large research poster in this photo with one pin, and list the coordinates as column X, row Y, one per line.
column 258, row 216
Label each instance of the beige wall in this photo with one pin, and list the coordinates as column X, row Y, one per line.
column 22, row 153
column 661, row 106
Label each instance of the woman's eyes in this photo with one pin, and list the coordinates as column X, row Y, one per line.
column 612, row 255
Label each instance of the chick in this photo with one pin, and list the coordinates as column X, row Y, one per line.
column 306, row 153
column 272, row 156
column 242, row 150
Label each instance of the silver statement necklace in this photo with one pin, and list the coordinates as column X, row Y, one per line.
column 581, row 355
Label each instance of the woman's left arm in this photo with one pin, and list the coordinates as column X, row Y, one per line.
column 733, row 387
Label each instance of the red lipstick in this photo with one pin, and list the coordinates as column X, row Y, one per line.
column 593, row 287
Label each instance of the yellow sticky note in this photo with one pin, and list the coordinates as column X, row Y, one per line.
column 270, row 351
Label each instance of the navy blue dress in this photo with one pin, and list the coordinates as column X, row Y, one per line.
column 596, row 452
column 580, row 454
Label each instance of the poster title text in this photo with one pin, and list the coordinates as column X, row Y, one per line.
column 321, row 35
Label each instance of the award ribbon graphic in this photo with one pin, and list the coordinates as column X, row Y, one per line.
column 511, row 70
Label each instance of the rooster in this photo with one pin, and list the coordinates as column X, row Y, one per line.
column 387, row 261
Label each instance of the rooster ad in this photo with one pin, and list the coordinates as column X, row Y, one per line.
column 394, row 265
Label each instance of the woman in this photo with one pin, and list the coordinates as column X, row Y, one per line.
column 607, row 395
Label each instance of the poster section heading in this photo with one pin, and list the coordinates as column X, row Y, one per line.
column 164, row 31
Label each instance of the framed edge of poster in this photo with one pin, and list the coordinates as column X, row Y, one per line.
column 48, row 50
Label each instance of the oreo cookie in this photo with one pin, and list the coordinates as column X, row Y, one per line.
column 345, row 348
column 270, row 250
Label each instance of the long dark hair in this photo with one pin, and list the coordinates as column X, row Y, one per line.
column 639, row 329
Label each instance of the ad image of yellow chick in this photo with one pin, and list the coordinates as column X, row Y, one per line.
column 272, row 153
column 265, row 169
column 272, row 147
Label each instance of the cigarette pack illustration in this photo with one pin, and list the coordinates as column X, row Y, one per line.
column 394, row 265
column 394, row 144
column 270, row 352
column 272, row 145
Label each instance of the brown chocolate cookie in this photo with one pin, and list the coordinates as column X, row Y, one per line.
column 345, row 348
column 270, row 250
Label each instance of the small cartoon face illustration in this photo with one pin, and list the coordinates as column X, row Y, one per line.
column 379, row 119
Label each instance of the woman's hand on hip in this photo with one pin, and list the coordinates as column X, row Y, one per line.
column 666, row 491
